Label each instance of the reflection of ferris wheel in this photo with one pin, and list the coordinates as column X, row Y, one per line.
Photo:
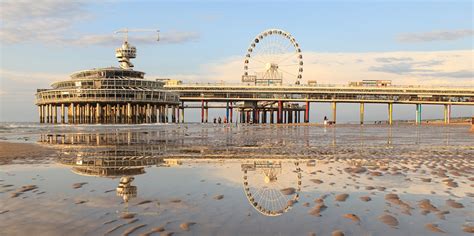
column 265, row 194
column 273, row 55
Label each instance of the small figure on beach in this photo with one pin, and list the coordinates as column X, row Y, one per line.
column 219, row 120
column 325, row 120
column 215, row 120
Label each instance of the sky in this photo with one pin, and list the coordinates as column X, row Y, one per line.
column 426, row 43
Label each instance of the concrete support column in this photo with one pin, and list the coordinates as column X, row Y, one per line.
column 173, row 114
column 207, row 111
column 76, row 114
column 148, row 113
column 63, row 114
column 137, row 114
column 40, row 113
column 88, row 113
column 202, row 111
column 72, row 107
column 290, row 116
column 162, row 114
column 178, row 114
column 255, row 116
column 231, row 112
column 129, row 113
column 154, row 113
column 47, row 113
column 55, row 113
column 97, row 113
column 280, row 112
column 334, row 112
column 447, row 113
column 182, row 112
column 306, row 112
column 227, row 111
column 418, row 113
column 361, row 113
column 118, row 113
column 390, row 113
column 166, row 114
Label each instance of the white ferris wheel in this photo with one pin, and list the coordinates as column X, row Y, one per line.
column 273, row 55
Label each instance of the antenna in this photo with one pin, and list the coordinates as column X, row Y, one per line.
column 127, row 51
column 125, row 31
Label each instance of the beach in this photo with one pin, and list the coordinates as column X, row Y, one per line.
column 194, row 179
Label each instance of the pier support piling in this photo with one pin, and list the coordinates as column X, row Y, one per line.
column 227, row 112
column 207, row 112
column 361, row 113
column 390, row 113
column 418, row 114
column 306, row 113
column 334, row 112
column 447, row 113
column 280, row 112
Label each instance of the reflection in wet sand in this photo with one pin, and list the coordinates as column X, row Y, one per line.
column 266, row 192
column 225, row 180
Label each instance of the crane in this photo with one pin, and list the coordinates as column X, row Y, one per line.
column 126, row 31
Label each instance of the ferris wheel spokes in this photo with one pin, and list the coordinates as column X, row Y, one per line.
column 267, row 53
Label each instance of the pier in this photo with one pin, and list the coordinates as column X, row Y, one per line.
column 123, row 96
column 292, row 103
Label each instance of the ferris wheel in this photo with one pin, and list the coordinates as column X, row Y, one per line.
column 263, row 186
column 273, row 55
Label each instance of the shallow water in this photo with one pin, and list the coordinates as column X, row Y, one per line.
column 180, row 170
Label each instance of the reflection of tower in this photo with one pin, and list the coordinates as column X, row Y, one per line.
column 271, row 195
column 125, row 188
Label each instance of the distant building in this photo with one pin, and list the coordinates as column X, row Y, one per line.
column 371, row 83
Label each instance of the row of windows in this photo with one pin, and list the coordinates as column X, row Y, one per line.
column 109, row 83
column 108, row 74
column 112, row 95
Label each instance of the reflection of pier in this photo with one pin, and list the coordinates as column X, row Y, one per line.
column 157, row 139
column 267, row 196
column 109, row 155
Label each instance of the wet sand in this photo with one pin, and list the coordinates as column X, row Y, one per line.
column 23, row 152
column 349, row 181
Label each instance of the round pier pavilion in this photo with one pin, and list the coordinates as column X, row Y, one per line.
column 113, row 95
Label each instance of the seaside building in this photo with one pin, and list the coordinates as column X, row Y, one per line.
column 112, row 95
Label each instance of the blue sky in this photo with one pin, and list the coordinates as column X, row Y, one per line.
column 42, row 41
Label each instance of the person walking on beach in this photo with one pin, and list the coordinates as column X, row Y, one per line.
column 219, row 120
column 325, row 120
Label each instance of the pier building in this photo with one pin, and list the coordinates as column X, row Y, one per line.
column 112, row 95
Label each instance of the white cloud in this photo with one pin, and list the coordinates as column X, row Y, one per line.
column 172, row 37
column 52, row 22
column 416, row 68
column 435, row 36
column 39, row 20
